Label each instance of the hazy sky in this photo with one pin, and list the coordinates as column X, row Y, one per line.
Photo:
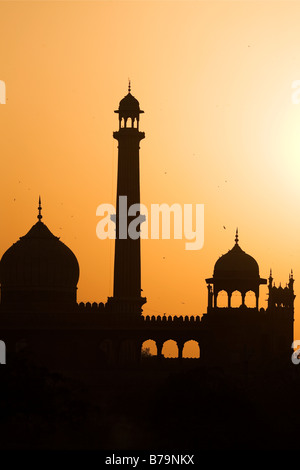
column 215, row 82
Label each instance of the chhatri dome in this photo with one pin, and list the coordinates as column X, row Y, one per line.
column 129, row 109
column 236, row 264
column 39, row 268
column 129, row 103
column 234, row 271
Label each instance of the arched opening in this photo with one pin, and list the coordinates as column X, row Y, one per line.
column 170, row 349
column 2, row 352
column 236, row 299
column 222, row 299
column 127, row 351
column 250, row 299
column 191, row 349
column 106, row 351
column 148, row 349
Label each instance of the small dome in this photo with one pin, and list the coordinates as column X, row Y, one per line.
column 39, row 267
column 129, row 103
column 236, row 264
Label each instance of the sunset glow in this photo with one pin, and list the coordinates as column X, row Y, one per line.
column 215, row 82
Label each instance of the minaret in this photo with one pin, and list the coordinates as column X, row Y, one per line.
column 127, row 268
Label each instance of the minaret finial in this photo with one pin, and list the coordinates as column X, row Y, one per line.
column 129, row 85
column 40, row 210
column 237, row 236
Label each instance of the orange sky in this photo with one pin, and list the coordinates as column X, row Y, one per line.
column 215, row 82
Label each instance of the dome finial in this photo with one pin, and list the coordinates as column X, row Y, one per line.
column 40, row 210
column 237, row 236
column 129, row 85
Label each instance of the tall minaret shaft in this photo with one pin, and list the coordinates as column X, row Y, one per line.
column 127, row 267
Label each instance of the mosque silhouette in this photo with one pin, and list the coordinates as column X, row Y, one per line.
column 39, row 312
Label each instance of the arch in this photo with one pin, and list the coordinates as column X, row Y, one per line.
column 236, row 299
column 107, row 350
column 191, row 349
column 127, row 351
column 170, row 349
column 123, row 122
column 2, row 352
column 148, row 349
column 250, row 299
column 222, row 299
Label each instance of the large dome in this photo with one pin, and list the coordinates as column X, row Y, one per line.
column 236, row 264
column 39, row 267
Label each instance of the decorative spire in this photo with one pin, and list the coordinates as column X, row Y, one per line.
column 129, row 85
column 271, row 280
column 40, row 210
column 291, row 281
column 237, row 236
